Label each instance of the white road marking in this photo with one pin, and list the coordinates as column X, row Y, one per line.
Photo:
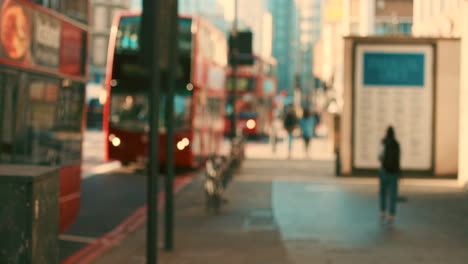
column 81, row 239
column 107, row 167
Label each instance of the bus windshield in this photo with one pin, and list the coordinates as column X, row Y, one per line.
column 131, row 112
column 129, row 104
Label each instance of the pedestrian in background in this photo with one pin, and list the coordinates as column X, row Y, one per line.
column 290, row 123
column 307, row 124
column 275, row 128
column 389, row 174
column 317, row 116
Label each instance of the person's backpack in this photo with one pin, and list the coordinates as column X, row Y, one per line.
column 290, row 121
column 391, row 156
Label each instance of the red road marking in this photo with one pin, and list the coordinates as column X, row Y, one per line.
column 130, row 224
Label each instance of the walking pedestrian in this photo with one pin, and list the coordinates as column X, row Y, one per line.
column 307, row 124
column 290, row 122
column 275, row 128
column 389, row 174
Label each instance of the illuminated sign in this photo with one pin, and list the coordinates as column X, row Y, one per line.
column 15, row 31
column 398, row 69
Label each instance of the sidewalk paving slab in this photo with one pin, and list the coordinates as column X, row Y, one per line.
column 295, row 211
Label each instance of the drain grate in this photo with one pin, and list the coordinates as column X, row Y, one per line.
column 259, row 220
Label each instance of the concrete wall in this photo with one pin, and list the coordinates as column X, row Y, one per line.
column 346, row 116
column 447, row 107
column 432, row 20
column 446, row 112
column 463, row 154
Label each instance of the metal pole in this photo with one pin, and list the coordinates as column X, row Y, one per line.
column 235, row 53
column 150, row 30
column 170, row 173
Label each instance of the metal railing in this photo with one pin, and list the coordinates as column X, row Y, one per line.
column 219, row 171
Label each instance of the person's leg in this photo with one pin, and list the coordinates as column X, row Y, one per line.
column 290, row 141
column 383, row 193
column 306, row 144
column 393, row 189
column 274, row 140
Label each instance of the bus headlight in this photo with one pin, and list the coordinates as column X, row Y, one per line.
column 251, row 124
column 181, row 145
column 116, row 141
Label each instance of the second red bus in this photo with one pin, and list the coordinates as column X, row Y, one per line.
column 255, row 92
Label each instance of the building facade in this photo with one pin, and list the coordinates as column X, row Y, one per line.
column 377, row 17
column 213, row 10
column 286, row 40
column 439, row 18
column 449, row 19
column 343, row 18
column 310, row 28
column 102, row 16
column 254, row 16
column 463, row 145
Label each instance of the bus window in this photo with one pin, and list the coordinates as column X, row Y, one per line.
column 182, row 112
column 243, row 84
column 129, row 111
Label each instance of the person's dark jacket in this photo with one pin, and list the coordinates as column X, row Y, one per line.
column 390, row 156
column 290, row 122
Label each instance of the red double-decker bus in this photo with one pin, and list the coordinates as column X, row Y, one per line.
column 199, row 93
column 43, row 47
column 255, row 94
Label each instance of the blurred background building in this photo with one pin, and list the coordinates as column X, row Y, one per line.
column 445, row 19
column 213, row 10
column 341, row 18
column 254, row 16
column 286, row 37
column 463, row 153
column 449, row 19
column 102, row 15
column 310, row 22
column 441, row 18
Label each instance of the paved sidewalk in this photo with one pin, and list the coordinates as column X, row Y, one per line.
column 295, row 211
column 93, row 155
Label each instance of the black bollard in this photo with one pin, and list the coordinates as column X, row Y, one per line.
column 337, row 163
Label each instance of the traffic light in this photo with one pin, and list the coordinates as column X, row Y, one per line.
column 242, row 42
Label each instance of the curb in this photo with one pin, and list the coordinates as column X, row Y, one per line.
column 125, row 228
